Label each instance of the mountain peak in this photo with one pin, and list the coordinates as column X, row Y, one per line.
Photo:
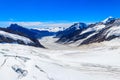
column 79, row 26
column 109, row 19
column 15, row 26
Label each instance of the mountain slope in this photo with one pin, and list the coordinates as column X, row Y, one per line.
column 102, row 31
column 18, row 34
column 108, row 32
column 6, row 37
column 69, row 33
column 31, row 33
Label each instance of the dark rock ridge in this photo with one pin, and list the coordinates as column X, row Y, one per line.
column 68, row 34
column 17, row 30
column 86, row 34
column 31, row 33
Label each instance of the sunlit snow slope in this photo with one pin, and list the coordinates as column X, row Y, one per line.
column 92, row 62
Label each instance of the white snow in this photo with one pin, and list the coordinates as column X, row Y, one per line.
column 115, row 30
column 77, row 26
column 100, row 61
column 108, row 19
column 95, row 28
column 15, row 37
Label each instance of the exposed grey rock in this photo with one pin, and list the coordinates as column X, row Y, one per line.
column 20, row 71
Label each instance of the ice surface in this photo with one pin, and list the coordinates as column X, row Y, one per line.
column 100, row 61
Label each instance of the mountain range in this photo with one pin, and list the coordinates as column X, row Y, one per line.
column 90, row 33
column 83, row 33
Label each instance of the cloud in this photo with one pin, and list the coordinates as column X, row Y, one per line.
column 37, row 24
column 27, row 24
column 56, row 24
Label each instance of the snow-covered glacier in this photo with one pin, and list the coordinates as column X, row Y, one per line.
column 95, row 62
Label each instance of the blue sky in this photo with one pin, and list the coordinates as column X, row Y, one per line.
column 58, row 10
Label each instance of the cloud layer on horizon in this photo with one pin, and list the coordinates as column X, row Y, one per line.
column 37, row 24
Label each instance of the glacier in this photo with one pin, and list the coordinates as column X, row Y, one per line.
column 20, row 62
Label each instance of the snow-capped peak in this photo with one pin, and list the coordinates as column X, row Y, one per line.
column 109, row 19
column 78, row 26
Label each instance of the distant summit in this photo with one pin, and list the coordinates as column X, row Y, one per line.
column 70, row 32
column 109, row 19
